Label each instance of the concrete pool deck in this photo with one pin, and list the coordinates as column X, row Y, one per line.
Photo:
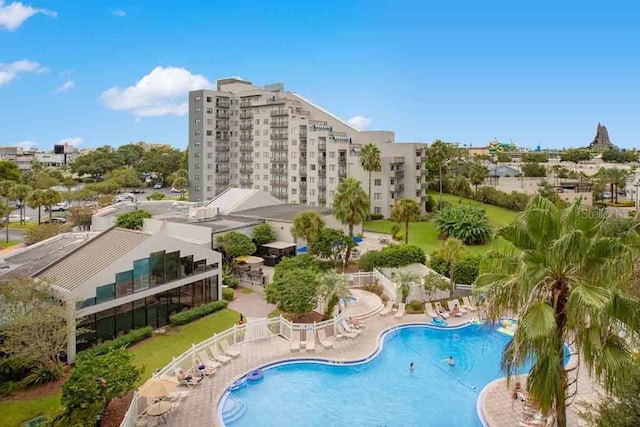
column 200, row 406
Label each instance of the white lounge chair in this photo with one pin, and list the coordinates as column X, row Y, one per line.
column 215, row 353
column 324, row 341
column 348, row 327
column 310, row 340
column 428, row 309
column 455, row 302
column 400, row 311
column 204, row 358
column 343, row 332
column 295, row 340
column 440, row 309
column 468, row 305
column 387, row 309
column 228, row 350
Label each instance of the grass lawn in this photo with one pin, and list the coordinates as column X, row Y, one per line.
column 4, row 244
column 425, row 235
column 153, row 353
column 246, row 290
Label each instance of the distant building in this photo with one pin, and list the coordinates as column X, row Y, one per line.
column 62, row 155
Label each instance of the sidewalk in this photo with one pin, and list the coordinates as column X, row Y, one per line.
column 11, row 250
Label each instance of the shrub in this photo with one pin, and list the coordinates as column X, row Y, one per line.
column 426, row 217
column 395, row 228
column 368, row 260
column 197, row 312
column 125, row 340
column 10, row 387
column 227, row 294
column 416, row 305
column 467, row 223
column 441, row 204
column 466, row 270
column 399, row 236
column 430, row 204
column 263, row 234
column 132, row 220
column 438, row 263
column 230, row 282
column 44, row 374
column 514, row 201
column 42, row 232
column 376, row 216
column 156, row 196
column 375, row 288
column 391, row 257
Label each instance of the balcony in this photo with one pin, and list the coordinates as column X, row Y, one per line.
column 246, row 114
column 246, row 137
column 322, row 172
column 222, row 114
column 342, row 160
column 322, row 183
column 281, row 112
column 222, row 137
column 246, row 158
column 282, row 195
column 424, row 185
column 246, row 148
column 279, row 123
column 278, row 171
column 246, row 169
column 222, row 180
column 398, row 160
column 322, row 160
column 278, row 183
column 399, row 174
column 246, row 126
column 303, row 134
column 322, row 198
column 222, row 103
column 342, row 172
column 303, row 159
column 246, row 182
column 275, row 100
column 279, row 136
column 302, row 171
column 303, row 146
column 322, row 146
column 245, row 103
column 221, row 158
column 222, row 169
column 222, row 126
column 222, row 147
column 279, row 147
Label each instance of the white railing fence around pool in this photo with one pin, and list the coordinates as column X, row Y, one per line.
column 254, row 330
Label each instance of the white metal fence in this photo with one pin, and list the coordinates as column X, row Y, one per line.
column 252, row 331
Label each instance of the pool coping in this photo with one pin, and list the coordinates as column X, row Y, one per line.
column 353, row 362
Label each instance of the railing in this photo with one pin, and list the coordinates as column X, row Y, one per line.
column 222, row 114
column 281, row 135
column 246, row 137
column 222, row 126
column 279, row 112
column 245, row 148
column 246, row 126
column 246, row 114
column 279, row 123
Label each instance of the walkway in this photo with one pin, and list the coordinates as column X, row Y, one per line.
column 251, row 305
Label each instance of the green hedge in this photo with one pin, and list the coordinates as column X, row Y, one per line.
column 227, row 294
column 465, row 271
column 126, row 340
column 375, row 216
column 391, row 257
column 196, row 313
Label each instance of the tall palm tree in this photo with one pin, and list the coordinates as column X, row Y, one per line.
column 370, row 162
column 36, row 201
column 566, row 282
column 350, row 206
column 180, row 184
column 307, row 225
column 452, row 251
column 49, row 198
column 405, row 210
column 438, row 154
column 403, row 280
column 20, row 193
column 331, row 287
column 5, row 191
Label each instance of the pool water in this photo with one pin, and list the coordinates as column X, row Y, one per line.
column 382, row 391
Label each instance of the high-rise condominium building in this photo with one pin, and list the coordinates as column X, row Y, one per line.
column 264, row 138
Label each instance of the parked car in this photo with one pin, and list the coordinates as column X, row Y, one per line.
column 175, row 190
column 125, row 197
column 55, row 220
column 19, row 205
column 137, row 190
column 59, row 207
column 157, row 186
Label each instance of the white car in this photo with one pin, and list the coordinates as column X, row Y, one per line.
column 175, row 190
column 157, row 186
column 59, row 207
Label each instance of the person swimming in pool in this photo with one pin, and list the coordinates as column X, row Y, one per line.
column 411, row 368
column 451, row 362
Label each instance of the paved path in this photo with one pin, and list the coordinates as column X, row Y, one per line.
column 251, row 305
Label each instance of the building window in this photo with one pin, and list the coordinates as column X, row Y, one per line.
column 391, row 181
column 140, row 274
column 209, row 144
column 172, row 263
column 377, row 196
column 418, row 167
column 197, row 143
column 196, row 155
column 265, row 121
column 332, row 180
column 197, row 121
column 332, row 154
column 393, row 195
column 294, row 191
column 377, row 182
column 186, row 266
column 198, row 98
column 197, row 165
column 377, row 210
column 197, row 132
column 418, row 193
column 209, row 133
column 209, row 110
column 208, row 99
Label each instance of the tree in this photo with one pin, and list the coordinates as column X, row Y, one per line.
column 81, row 216
column 36, row 201
column 162, row 161
column 503, row 158
column 331, row 287
column 370, row 162
column 232, row 245
column 575, row 155
column 49, row 198
column 294, row 291
column 566, row 283
column 133, row 220
column 350, row 206
column 437, row 155
column 96, row 163
column 130, row 154
column 331, row 244
column 5, row 211
column 452, row 251
column 125, row 177
column 307, row 225
column 42, row 232
column 69, row 183
column 403, row 280
column 34, row 324
column 434, row 282
column 533, row 170
column 94, row 382
column 41, row 180
column 5, row 191
column 460, row 185
column 181, row 185
column 477, row 175
column 9, row 171
column 405, row 211
column 20, row 192
column 534, row 157
column 263, row 234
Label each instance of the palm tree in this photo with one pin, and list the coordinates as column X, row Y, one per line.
column 20, row 193
column 331, row 287
column 36, row 201
column 180, row 183
column 452, row 251
column 370, row 162
column 405, row 210
column 307, row 225
column 49, row 198
column 350, row 206
column 565, row 282
column 460, row 186
column 403, row 280
column 438, row 154
column 5, row 191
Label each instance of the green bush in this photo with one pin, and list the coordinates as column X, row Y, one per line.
column 513, row 201
column 125, row 340
column 399, row 236
column 38, row 233
column 430, row 204
column 196, row 313
column 44, row 374
column 416, row 305
column 10, row 387
column 467, row 269
column 395, row 228
column 227, row 294
column 230, row 281
column 467, row 223
column 438, row 264
column 441, row 204
column 368, row 260
column 375, row 216
column 156, row 196
column 391, row 257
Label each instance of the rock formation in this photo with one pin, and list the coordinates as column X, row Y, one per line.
column 601, row 142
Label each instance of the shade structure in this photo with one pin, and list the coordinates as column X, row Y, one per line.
column 158, row 387
column 357, row 239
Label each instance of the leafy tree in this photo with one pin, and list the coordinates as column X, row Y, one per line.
column 96, row 163
column 263, row 234
column 615, row 155
column 467, row 223
column 42, row 232
column 232, row 245
column 181, row 185
column 534, row 157
column 503, row 158
column 566, row 283
column 403, row 281
column 181, row 173
column 615, row 178
column 5, row 211
column 307, row 225
column 156, row 196
column 20, row 192
column 49, row 198
column 437, row 156
column 477, row 175
column 433, row 282
column 41, row 180
column 350, row 206
column 125, row 177
column 460, row 185
column 9, row 171
column 81, row 216
column 36, row 201
column 69, row 183
column 294, row 291
column 370, row 162
column 575, row 155
column 94, row 382
column 133, row 220
column 5, row 191
column 331, row 287
column 405, row 211
column 34, row 324
column 533, row 170
column 331, row 244
column 130, row 154
column 548, row 191
column 161, row 160
column 84, row 194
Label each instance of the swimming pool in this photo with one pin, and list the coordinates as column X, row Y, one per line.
column 381, row 391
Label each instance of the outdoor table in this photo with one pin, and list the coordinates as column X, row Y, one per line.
column 159, row 409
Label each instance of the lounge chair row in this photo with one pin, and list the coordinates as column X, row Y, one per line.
column 207, row 361
column 389, row 307
column 454, row 308
column 310, row 340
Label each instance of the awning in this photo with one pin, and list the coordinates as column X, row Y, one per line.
column 279, row 245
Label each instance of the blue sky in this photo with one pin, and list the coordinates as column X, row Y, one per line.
column 98, row 72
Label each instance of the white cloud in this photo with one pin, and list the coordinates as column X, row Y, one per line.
column 119, row 13
column 13, row 15
column 10, row 72
column 359, row 122
column 66, row 86
column 162, row 92
column 71, row 141
column 66, row 73
column 27, row 145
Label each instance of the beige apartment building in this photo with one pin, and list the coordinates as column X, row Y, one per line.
column 263, row 138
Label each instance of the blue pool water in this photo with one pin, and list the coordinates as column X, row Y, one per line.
column 382, row 391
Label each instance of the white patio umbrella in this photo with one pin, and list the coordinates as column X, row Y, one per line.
column 158, row 387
